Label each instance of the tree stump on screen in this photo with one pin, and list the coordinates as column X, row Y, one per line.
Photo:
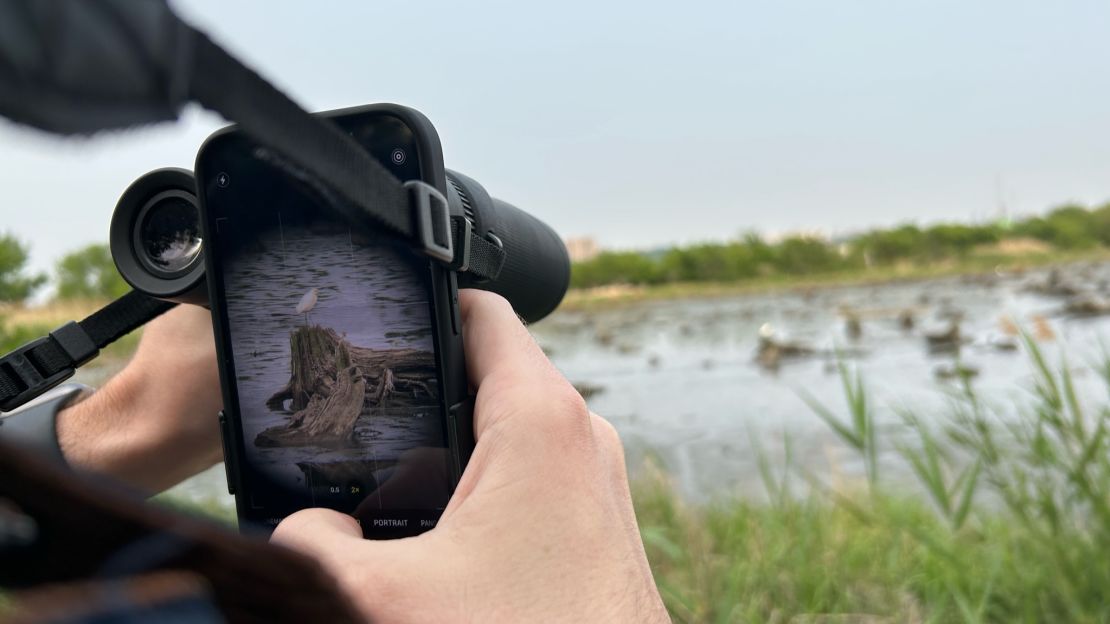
column 332, row 382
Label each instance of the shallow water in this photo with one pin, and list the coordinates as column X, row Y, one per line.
column 679, row 380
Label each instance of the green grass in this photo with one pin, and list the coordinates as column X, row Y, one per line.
column 1007, row 522
column 752, row 562
column 210, row 509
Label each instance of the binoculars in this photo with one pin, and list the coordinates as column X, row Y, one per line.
column 157, row 245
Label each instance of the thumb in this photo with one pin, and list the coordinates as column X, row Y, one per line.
column 376, row 575
column 317, row 532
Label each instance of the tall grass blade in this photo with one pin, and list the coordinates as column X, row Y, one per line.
column 967, row 494
column 844, row 431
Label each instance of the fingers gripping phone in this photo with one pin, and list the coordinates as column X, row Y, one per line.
column 340, row 352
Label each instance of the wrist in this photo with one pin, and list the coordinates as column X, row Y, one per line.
column 99, row 434
column 34, row 425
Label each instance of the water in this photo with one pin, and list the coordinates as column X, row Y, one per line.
column 679, row 380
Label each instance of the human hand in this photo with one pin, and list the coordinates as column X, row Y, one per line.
column 154, row 424
column 541, row 526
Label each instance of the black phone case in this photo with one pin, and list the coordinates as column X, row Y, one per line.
column 457, row 405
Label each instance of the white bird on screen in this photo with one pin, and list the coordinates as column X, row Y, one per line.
column 308, row 301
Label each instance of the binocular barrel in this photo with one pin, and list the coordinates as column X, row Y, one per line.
column 536, row 273
column 156, row 243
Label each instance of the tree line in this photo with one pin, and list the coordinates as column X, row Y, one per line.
column 1067, row 228
column 89, row 273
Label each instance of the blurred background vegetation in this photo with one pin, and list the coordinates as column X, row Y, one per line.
column 1068, row 229
column 89, row 274
column 82, row 280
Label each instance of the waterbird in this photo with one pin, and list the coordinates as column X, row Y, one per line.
column 770, row 351
column 853, row 327
column 308, row 301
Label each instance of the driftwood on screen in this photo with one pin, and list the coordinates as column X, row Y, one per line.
column 332, row 381
column 329, row 417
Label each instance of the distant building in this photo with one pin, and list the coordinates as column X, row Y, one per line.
column 809, row 233
column 582, row 248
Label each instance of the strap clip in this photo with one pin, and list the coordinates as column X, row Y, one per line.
column 29, row 380
column 461, row 261
column 75, row 341
column 433, row 221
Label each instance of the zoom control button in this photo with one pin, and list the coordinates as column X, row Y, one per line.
column 229, row 470
column 460, row 434
column 453, row 292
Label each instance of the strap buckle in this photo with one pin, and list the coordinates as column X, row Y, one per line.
column 29, row 380
column 433, row 221
column 461, row 262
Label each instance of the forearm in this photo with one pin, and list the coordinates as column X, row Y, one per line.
column 155, row 423
column 120, row 431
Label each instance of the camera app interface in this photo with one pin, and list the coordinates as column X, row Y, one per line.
column 330, row 333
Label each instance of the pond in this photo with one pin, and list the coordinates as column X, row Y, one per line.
column 681, row 380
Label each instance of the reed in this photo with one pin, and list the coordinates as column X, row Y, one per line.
column 1009, row 521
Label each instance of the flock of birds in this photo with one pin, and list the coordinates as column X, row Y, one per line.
column 1080, row 299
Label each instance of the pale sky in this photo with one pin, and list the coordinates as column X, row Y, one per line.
column 645, row 123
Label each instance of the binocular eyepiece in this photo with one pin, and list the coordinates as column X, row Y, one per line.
column 157, row 244
column 156, row 239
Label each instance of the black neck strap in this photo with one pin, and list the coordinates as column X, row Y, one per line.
column 413, row 210
column 46, row 362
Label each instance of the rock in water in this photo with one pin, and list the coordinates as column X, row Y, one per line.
column 1087, row 305
column 853, row 328
column 906, row 320
column 946, row 340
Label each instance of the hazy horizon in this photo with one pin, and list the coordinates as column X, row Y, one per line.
column 645, row 125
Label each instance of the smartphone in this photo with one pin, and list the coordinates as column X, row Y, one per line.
column 340, row 349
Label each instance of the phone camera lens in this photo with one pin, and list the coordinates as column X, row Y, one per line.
column 398, row 156
column 169, row 235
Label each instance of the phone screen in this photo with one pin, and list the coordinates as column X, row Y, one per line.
column 329, row 344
